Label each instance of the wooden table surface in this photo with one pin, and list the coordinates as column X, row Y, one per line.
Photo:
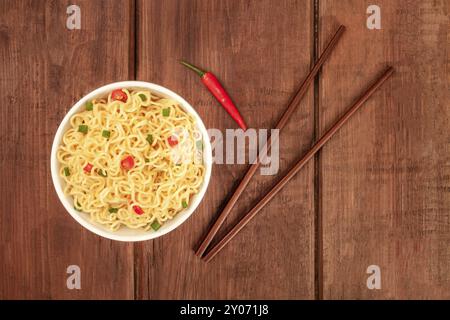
column 377, row 194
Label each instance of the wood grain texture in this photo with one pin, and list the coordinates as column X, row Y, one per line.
column 383, row 182
column 45, row 69
column 261, row 55
column 385, row 177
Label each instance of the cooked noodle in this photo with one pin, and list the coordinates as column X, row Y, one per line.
column 164, row 176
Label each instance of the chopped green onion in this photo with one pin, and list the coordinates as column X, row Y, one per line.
column 78, row 205
column 113, row 210
column 89, row 106
column 106, row 134
column 184, row 204
column 146, row 160
column 102, row 173
column 155, row 225
column 143, row 97
column 66, row 171
column 166, row 112
column 83, row 128
column 149, row 138
column 199, row 144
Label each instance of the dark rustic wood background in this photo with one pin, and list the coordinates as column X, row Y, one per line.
column 378, row 193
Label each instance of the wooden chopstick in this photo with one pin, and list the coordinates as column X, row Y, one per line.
column 265, row 149
column 291, row 173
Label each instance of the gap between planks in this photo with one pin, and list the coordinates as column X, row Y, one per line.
column 318, row 248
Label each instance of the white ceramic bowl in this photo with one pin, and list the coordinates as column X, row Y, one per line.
column 127, row 234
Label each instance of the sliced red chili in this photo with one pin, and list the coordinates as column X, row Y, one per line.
column 119, row 95
column 88, row 168
column 138, row 210
column 172, row 140
column 127, row 163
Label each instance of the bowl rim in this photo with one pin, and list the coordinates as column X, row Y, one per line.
column 182, row 216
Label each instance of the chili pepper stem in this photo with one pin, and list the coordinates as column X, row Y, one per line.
column 197, row 70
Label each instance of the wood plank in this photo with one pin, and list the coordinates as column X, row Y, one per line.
column 260, row 50
column 45, row 68
column 385, row 177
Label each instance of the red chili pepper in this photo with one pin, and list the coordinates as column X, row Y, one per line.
column 173, row 141
column 127, row 163
column 214, row 86
column 138, row 210
column 119, row 95
column 87, row 168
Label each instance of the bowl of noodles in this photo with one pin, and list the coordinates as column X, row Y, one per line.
column 131, row 161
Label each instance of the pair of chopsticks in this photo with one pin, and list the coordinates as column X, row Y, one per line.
column 299, row 165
